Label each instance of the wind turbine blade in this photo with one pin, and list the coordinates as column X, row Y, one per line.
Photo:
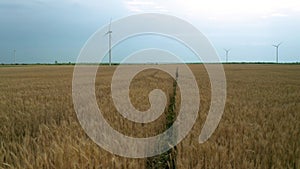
column 109, row 28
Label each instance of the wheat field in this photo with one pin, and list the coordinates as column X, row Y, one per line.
column 260, row 127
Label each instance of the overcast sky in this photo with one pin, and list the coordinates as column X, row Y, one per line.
column 43, row 31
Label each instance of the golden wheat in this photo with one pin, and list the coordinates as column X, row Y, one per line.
column 260, row 127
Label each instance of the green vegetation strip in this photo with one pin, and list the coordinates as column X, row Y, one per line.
column 167, row 160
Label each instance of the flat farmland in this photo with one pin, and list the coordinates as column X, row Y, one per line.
column 260, row 127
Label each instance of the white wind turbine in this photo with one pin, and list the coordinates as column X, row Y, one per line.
column 227, row 52
column 277, row 50
column 109, row 41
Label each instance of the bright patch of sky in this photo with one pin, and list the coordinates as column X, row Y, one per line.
column 44, row 31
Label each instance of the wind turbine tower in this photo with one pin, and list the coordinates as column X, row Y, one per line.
column 227, row 52
column 109, row 41
column 277, row 49
column 15, row 52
